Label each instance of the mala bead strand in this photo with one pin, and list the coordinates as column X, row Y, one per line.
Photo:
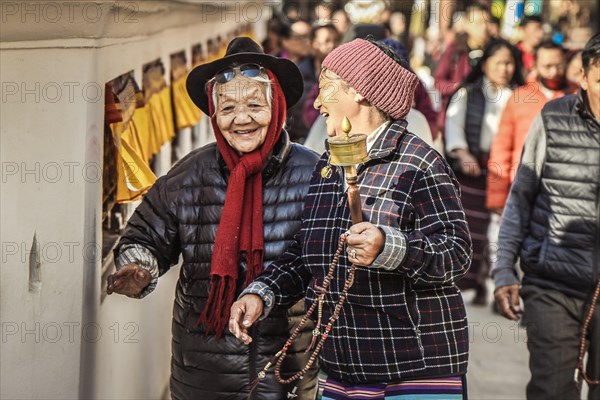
column 326, row 281
column 586, row 324
column 280, row 356
column 321, row 342
column 317, row 332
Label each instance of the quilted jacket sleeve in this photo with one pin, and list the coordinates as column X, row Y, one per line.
column 288, row 277
column 154, row 227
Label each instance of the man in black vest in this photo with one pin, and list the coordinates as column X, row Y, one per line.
column 552, row 223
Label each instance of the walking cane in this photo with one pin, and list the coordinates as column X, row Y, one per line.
column 345, row 151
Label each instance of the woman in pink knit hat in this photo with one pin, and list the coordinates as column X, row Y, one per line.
column 402, row 330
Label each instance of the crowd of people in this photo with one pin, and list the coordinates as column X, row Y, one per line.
column 484, row 160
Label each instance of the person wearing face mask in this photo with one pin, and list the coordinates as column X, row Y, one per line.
column 520, row 111
column 402, row 331
column 229, row 208
column 472, row 120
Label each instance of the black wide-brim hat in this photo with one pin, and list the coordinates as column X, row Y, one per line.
column 243, row 50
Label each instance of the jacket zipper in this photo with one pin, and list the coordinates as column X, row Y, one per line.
column 253, row 372
column 597, row 247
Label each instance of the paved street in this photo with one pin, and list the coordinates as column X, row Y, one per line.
column 498, row 358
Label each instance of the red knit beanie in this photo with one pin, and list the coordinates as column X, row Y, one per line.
column 382, row 81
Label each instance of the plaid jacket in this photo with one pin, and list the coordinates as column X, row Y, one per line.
column 404, row 316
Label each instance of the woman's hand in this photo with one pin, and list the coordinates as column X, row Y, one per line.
column 244, row 313
column 468, row 163
column 129, row 280
column 364, row 243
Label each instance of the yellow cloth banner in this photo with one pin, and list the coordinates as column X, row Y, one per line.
column 186, row 112
column 139, row 129
column 135, row 177
column 167, row 108
column 160, row 120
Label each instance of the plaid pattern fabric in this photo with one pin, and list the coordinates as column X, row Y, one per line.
column 406, row 320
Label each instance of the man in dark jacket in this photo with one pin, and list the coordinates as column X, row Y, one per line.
column 552, row 223
column 229, row 208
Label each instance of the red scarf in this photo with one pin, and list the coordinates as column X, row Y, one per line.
column 241, row 225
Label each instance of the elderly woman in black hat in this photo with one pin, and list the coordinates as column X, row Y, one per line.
column 229, row 208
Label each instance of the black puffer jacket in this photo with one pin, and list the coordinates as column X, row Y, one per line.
column 180, row 214
column 561, row 249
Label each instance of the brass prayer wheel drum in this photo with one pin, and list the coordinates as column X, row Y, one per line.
column 349, row 149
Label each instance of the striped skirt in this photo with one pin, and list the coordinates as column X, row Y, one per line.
column 450, row 388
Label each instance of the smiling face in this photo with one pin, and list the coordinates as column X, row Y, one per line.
column 243, row 113
column 335, row 100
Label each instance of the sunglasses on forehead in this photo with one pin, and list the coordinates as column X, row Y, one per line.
column 247, row 70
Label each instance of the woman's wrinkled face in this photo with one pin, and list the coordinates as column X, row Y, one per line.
column 243, row 113
column 500, row 67
column 335, row 101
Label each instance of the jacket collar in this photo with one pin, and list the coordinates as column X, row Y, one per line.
column 389, row 140
column 280, row 152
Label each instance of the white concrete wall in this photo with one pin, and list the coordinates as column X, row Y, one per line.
column 59, row 340
column 51, row 139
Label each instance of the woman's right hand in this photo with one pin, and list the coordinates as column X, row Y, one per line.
column 468, row 163
column 244, row 313
column 129, row 280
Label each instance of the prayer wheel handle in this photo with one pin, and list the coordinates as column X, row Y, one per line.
column 354, row 199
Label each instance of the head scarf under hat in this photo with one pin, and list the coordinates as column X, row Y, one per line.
column 241, row 226
column 379, row 78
